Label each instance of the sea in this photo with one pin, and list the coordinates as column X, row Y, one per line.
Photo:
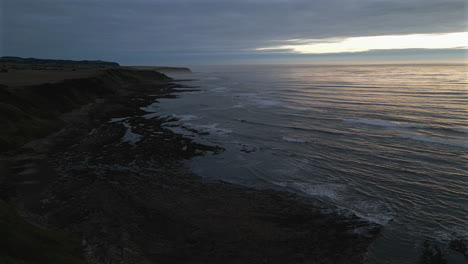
column 386, row 142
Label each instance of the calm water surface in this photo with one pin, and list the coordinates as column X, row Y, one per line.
column 388, row 142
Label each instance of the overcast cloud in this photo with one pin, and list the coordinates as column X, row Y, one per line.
column 154, row 31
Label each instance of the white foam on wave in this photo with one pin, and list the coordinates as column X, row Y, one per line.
column 266, row 103
column 219, row 89
column 298, row 108
column 152, row 108
column 239, row 105
column 448, row 233
column 372, row 211
column 451, row 142
column 213, row 128
column 332, row 191
column 186, row 117
column 258, row 99
column 381, row 123
column 293, row 139
column 212, row 78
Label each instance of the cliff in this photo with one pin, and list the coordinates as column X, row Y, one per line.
column 31, row 112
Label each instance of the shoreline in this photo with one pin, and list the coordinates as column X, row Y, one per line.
column 115, row 177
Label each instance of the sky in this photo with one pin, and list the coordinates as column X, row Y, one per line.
column 191, row 32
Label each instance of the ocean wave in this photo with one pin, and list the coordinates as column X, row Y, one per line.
column 266, row 103
column 212, row 78
column 249, row 95
column 381, row 123
column 462, row 130
column 331, row 191
column 186, row 117
column 447, row 233
column 152, row 108
column 329, row 132
column 219, row 89
column 452, row 131
column 212, row 128
column 260, row 100
column 292, row 139
column 373, row 211
column 239, row 105
column 451, row 142
column 396, row 125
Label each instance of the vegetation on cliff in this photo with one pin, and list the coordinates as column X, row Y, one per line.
column 24, row 243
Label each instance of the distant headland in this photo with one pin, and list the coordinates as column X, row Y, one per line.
column 52, row 63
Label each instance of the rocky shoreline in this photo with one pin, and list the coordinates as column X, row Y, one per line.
column 115, row 177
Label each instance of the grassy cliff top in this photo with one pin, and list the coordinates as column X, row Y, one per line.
column 17, row 77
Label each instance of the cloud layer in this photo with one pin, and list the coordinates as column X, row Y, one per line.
column 155, row 30
column 359, row 44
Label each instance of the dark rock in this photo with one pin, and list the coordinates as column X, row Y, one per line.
column 460, row 245
column 431, row 254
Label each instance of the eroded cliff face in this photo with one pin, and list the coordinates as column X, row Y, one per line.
column 31, row 112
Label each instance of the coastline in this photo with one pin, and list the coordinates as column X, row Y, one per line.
column 114, row 176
